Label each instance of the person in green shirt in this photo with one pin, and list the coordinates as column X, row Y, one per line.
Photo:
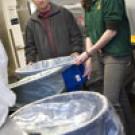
column 108, row 34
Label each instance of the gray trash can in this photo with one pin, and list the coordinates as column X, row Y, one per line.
column 75, row 113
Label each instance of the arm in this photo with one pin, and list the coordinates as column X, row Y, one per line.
column 30, row 48
column 88, row 63
column 112, row 15
column 107, row 36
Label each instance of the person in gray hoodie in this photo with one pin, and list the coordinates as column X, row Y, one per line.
column 51, row 32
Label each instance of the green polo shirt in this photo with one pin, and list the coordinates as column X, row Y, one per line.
column 102, row 13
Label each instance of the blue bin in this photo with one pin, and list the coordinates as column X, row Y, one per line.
column 38, row 86
column 78, row 113
column 73, row 77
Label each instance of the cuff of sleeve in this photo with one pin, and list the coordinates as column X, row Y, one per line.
column 112, row 25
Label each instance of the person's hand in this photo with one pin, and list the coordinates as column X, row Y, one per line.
column 88, row 69
column 81, row 58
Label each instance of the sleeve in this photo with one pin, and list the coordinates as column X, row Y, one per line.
column 30, row 48
column 76, row 38
column 113, row 11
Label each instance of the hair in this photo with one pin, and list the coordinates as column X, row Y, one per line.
column 86, row 4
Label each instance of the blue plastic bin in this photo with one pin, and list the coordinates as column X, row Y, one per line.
column 73, row 77
column 72, row 113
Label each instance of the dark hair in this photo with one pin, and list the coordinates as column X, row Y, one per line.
column 86, row 4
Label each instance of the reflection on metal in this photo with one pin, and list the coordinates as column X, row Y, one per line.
column 17, row 60
column 11, row 34
column 131, row 14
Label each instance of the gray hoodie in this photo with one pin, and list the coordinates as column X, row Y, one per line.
column 65, row 32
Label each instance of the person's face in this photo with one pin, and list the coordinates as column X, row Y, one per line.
column 40, row 4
